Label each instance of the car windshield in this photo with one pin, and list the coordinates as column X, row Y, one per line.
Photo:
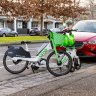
column 85, row 26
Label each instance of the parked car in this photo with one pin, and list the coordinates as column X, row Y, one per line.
column 56, row 30
column 86, row 34
column 45, row 32
column 36, row 31
column 85, row 38
column 7, row 32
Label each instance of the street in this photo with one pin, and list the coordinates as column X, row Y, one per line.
column 66, row 23
column 13, row 83
column 4, row 75
column 80, row 83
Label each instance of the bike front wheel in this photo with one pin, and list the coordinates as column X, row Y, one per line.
column 14, row 67
column 59, row 69
column 77, row 63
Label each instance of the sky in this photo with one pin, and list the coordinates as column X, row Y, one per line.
column 85, row 2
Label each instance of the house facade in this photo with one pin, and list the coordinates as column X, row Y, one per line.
column 3, row 20
column 21, row 26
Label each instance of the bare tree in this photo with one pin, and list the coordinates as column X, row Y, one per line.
column 92, row 8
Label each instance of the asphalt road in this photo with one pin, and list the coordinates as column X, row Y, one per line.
column 4, row 75
column 79, row 83
column 7, row 80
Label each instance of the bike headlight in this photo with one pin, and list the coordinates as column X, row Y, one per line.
column 92, row 42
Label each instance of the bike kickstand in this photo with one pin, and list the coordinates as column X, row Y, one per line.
column 33, row 70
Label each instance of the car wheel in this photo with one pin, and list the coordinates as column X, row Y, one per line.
column 15, row 35
column 4, row 35
column 30, row 34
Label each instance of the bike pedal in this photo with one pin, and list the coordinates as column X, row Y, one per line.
column 35, row 67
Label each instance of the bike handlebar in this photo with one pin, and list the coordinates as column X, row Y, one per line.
column 64, row 32
column 68, row 31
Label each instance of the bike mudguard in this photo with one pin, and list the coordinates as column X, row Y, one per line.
column 17, row 51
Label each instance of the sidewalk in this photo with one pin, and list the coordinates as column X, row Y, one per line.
column 79, row 83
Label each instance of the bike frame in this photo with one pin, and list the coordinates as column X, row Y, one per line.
column 43, row 52
column 35, row 58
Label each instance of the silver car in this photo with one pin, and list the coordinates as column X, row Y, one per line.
column 57, row 30
column 7, row 32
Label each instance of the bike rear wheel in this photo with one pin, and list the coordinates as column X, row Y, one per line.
column 54, row 68
column 14, row 67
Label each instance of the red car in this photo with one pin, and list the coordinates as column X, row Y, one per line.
column 85, row 37
column 86, row 34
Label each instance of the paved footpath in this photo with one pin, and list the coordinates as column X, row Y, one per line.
column 79, row 83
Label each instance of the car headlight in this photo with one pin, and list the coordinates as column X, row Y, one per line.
column 92, row 42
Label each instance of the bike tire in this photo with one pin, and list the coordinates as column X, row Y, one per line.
column 68, row 66
column 72, row 68
column 7, row 65
column 78, row 66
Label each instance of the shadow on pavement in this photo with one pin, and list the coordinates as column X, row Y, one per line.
column 88, row 60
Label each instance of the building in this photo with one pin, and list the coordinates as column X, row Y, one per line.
column 3, row 20
column 21, row 26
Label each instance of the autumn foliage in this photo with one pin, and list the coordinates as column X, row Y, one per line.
column 27, row 8
column 40, row 8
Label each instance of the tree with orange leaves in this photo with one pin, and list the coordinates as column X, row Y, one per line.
column 38, row 8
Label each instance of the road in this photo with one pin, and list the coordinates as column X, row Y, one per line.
column 79, row 83
column 4, row 75
column 27, row 79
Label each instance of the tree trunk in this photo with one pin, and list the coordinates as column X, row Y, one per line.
column 41, row 27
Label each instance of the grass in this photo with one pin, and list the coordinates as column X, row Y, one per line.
column 5, row 40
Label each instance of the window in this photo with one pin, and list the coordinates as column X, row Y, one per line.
column 4, row 29
column 9, row 30
column 24, row 25
column 85, row 26
column 19, row 24
column 34, row 24
column 1, row 23
column 45, row 25
column 56, row 25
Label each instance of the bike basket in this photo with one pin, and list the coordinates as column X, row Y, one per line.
column 71, row 40
column 59, row 39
